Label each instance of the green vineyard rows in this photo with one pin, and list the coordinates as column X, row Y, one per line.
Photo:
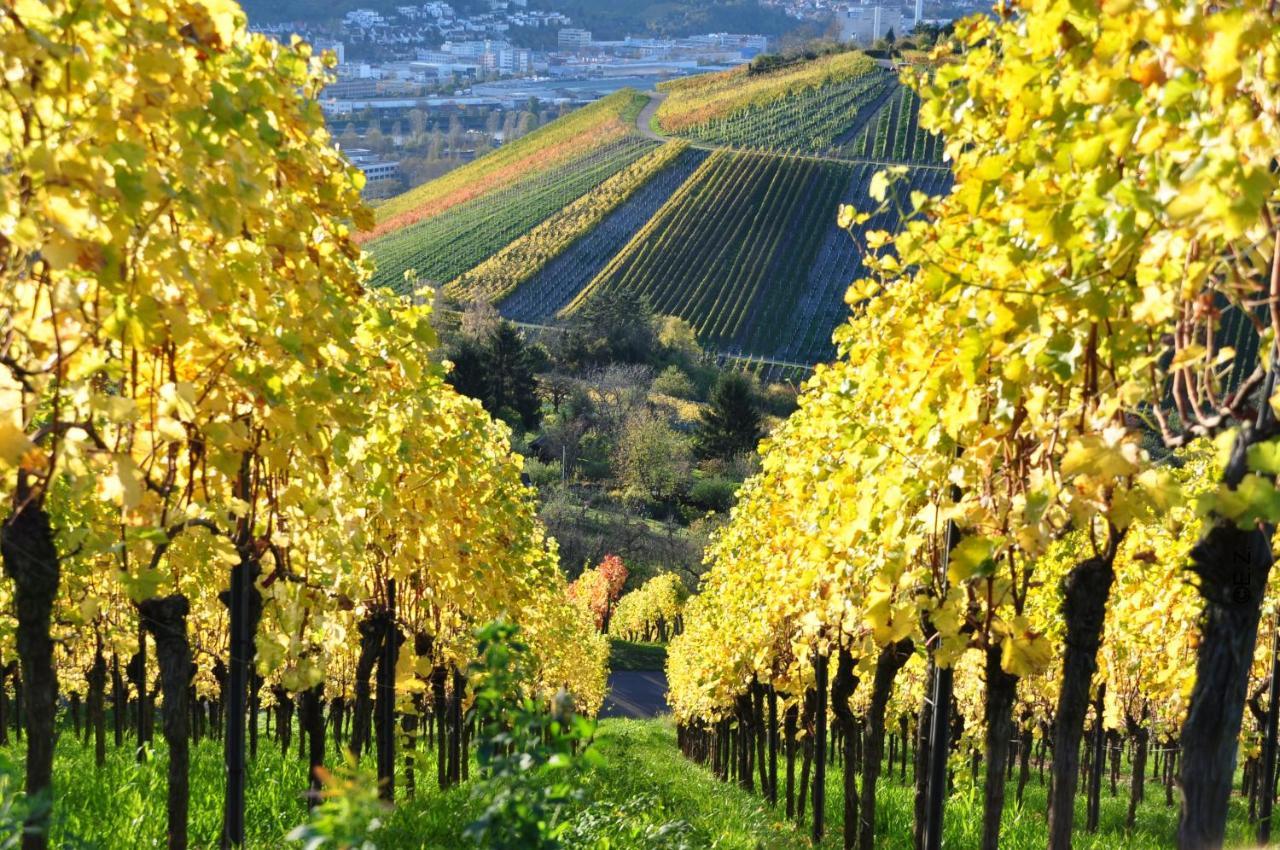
column 812, row 120
column 893, row 134
column 444, row 246
column 870, row 117
column 730, row 251
column 498, row 276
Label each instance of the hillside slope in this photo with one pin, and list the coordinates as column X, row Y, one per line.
column 449, row 225
column 720, row 209
column 607, row 19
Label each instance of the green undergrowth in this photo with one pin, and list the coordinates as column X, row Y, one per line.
column 634, row 655
column 640, row 794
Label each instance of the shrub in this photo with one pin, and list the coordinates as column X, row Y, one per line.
column 713, row 494
column 674, row 381
column 529, row 753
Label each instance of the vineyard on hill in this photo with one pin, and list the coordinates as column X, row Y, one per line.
column 243, row 484
column 495, row 278
column 561, row 141
column 556, row 283
column 1026, row 519
column 893, row 133
column 745, row 252
column 591, row 203
column 444, row 246
column 821, row 301
column 278, row 572
column 697, row 101
column 449, row 225
column 845, row 107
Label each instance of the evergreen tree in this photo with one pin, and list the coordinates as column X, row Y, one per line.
column 617, row 327
column 508, row 365
column 731, row 423
column 468, row 373
column 499, row 372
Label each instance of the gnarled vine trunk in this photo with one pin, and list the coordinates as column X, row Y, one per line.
column 97, row 681
column 244, row 603
column 313, row 731
column 166, row 620
column 1001, row 690
column 1085, row 592
column 1232, row 565
column 31, row 562
column 820, row 663
column 371, row 635
column 842, row 687
column 891, row 660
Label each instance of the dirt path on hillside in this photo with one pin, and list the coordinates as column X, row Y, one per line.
column 645, row 119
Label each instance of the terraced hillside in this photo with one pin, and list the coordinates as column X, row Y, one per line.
column 844, row 106
column 821, row 305
column 555, row 284
column 442, row 247
column 496, row 277
column 720, row 206
column 730, row 250
column 893, row 133
column 446, row 227
column 703, row 101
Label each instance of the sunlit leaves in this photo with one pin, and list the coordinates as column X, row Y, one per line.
column 193, row 374
column 1006, row 370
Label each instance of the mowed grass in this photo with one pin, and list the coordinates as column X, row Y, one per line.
column 1024, row 827
column 640, row 794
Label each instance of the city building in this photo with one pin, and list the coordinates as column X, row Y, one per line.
column 573, row 39
column 369, row 163
column 363, row 18
column 865, row 24
column 339, row 49
column 353, row 88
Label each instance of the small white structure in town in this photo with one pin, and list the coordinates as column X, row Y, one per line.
column 865, row 23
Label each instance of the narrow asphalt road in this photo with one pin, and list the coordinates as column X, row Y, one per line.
column 636, row 694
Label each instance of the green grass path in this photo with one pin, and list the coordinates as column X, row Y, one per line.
column 640, row 793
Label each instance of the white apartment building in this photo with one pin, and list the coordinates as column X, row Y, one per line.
column 339, row 49
column 865, row 24
column 574, row 39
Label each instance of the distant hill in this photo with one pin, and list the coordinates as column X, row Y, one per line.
column 607, row 19
column 716, row 199
column 612, row 20
column 325, row 11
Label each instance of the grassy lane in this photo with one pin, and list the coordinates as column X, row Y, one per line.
column 641, row 794
column 1024, row 828
column 640, row 760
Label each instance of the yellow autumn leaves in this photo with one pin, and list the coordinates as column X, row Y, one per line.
column 191, row 373
column 1010, row 364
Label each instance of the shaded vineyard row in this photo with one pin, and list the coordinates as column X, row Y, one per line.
column 555, row 285
column 894, row 134
column 730, row 250
column 821, row 308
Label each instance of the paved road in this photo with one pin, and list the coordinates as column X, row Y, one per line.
column 633, row 694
